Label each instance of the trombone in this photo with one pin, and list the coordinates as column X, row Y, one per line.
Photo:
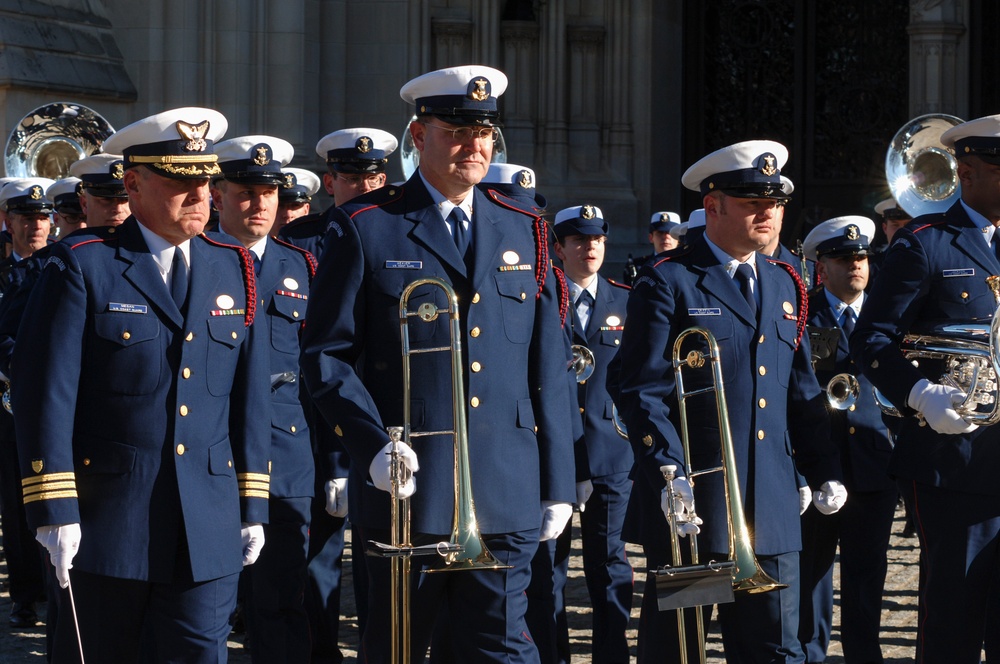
column 465, row 550
column 583, row 362
column 744, row 572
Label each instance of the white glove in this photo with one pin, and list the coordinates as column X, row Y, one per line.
column 62, row 543
column 805, row 499
column 336, row 497
column 253, row 542
column 584, row 490
column 937, row 405
column 381, row 469
column 830, row 497
column 555, row 516
column 683, row 499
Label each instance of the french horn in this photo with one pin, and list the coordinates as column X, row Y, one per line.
column 922, row 173
column 50, row 138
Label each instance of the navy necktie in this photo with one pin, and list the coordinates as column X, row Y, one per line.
column 744, row 275
column 848, row 324
column 584, row 307
column 458, row 230
column 256, row 264
column 179, row 279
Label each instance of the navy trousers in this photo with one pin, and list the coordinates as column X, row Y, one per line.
column 607, row 571
column 277, row 624
column 960, row 546
column 862, row 529
column 181, row 622
column 485, row 609
column 755, row 628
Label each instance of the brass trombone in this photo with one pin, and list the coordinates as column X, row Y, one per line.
column 465, row 550
column 583, row 362
column 744, row 572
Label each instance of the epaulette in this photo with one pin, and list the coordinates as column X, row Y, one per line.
column 618, row 285
column 311, row 263
column 541, row 233
column 249, row 280
column 295, row 226
column 562, row 290
column 92, row 235
column 381, row 197
column 674, row 253
column 803, row 298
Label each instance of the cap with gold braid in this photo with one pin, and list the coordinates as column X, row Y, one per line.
column 176, row 144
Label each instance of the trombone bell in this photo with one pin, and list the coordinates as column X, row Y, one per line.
column 582, row 363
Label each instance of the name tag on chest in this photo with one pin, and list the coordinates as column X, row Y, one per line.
column 964, row 272
column 403, row 265
column 706, row 311
column 127, row 308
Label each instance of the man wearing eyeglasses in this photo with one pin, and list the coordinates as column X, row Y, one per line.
column 513, row 365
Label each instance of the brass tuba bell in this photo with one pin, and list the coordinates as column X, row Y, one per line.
column 50, row 138
column 922, row 173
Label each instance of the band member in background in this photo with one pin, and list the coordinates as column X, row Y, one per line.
column 840, row 248
column 939, row 268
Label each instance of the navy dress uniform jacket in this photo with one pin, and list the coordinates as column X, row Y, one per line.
column 283, row 294
column 776, row 408
column 513, row 362
column 859, row 432
column 934, row 272
column 603, row 451
column 306, row 232
column 159, row 441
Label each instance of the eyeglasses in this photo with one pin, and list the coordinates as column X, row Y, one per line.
column 465, row 134
column 356, row 180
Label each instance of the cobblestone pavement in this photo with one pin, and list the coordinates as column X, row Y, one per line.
column 899, row 614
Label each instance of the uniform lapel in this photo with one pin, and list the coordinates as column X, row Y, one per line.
column 825, row 316
column 487, row 240
column 142, row 271
column 599, row 314
column 205, row 271
column 717, row 283
column 429, row 228
column 272, row 267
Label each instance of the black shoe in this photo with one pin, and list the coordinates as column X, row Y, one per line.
column 23, row 616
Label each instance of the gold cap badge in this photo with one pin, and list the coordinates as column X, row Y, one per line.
column 195, row 135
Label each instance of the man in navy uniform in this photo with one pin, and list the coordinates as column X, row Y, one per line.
column 246, row 196
column 28, row 211
column 355, row 160
column 661, row 237
column 603, row 459
column 494, row 255
column 840, row 248
column 153, row 482
column 294, row 196
column 775, row 404
column 102, row 193
column 68, row 215
column 936, row 271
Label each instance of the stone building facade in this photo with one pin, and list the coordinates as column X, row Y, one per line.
column 609, row 100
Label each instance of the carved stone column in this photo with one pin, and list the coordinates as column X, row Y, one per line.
column 939, row 60
column 586, row 94
column 520, row 62
column 452, row 39
column 552, row 135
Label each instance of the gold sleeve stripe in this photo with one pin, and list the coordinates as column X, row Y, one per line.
column 48, row 477
column 260, row 486
column 259, row 477
column 50, row 486
column 248, row 493
column 49, row 495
